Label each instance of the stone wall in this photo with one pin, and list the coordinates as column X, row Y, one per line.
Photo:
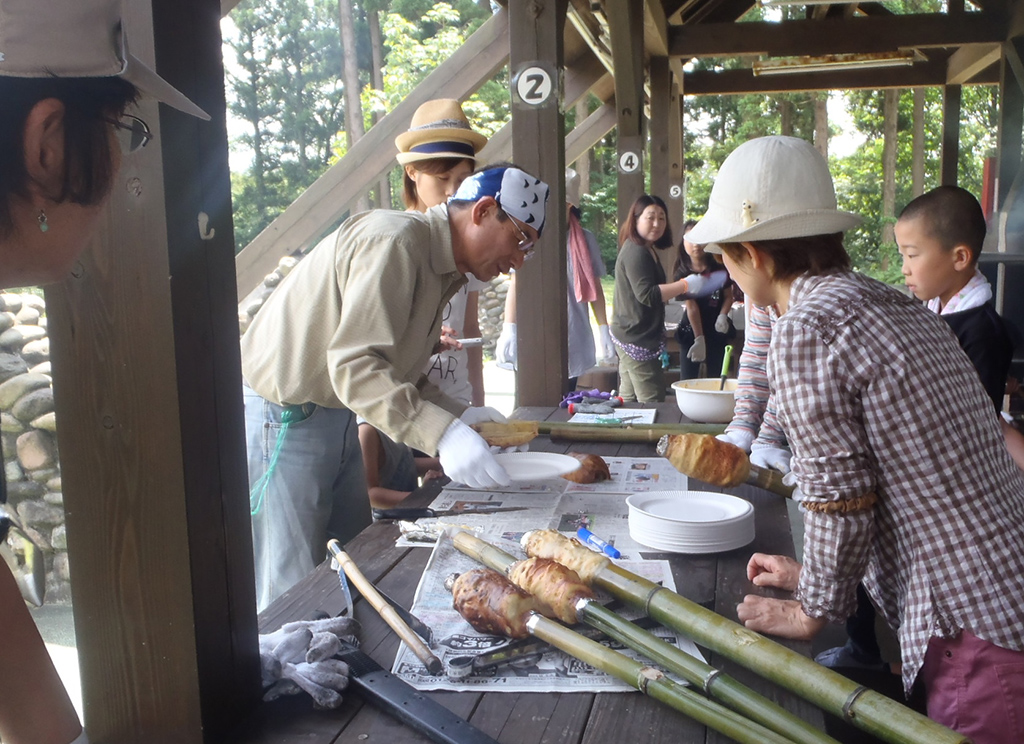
column 28, row 429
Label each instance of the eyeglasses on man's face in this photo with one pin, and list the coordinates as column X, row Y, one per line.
column 132, row 133
column 525, row 242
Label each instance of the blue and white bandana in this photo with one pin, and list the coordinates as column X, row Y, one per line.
column 518, row 193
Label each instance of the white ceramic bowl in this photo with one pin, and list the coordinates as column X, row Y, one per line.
column 701, row 400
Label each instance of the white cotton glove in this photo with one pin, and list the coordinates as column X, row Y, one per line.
column 722, row 324
column 505, row 351
column 740, row 437
column 297, row 658
column 466, row 458
column 694, row 284
column 605, row 346
column 776, row 458
column 699, row 351
column 476, row 414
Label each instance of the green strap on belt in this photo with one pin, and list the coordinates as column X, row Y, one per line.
column 290, row 415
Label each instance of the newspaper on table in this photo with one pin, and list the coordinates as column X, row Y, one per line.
column 553, row 504
column 617, row 416
column 554, row 671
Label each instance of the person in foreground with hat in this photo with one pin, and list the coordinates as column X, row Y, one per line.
column 899, row 464
column 584, row 267
column 348, row 332
column 66, row 80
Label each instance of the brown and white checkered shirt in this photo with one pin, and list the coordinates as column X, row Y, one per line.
column 876, row 396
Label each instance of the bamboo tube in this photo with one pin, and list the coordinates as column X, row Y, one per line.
column 728, row 690
column 386, row 611
column 834, row 693
column 652, row 683
column 621, row 433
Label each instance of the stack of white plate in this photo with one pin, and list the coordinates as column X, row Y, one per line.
column 690, row 521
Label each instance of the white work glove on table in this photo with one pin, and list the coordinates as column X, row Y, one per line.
column 698, row 352
column 722, row 324
column 740, row 437
column 297, row 658
column 466, row 458
column 776, row 458
column 505, row 350
column 605, row 345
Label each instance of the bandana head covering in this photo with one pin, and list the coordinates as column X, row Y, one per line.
column 519, row 194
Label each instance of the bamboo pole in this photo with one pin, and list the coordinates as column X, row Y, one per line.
column 721, row 686
column 621, row 432
column 834, row 693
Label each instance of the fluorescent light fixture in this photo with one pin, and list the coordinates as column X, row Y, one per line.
column 830, row 62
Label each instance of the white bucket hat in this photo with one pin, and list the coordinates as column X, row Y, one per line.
column 77, row 39
column 572, row 187
column 771, row 188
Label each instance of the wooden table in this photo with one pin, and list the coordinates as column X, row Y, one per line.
column 715, row 581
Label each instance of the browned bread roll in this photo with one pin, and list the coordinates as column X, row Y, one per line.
column 592, row 469
column 706, row 458
column 491, row 603
column 555, row 587
column 569, row 552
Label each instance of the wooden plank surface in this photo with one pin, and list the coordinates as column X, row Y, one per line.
column 714, row 581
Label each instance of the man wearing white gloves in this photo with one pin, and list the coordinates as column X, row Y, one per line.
column 348, row 332
column 585, row 267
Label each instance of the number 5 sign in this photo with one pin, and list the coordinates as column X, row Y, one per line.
column 533, row 86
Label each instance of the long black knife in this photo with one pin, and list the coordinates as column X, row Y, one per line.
column 388, row 693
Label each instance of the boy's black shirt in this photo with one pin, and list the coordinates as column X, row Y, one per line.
column 983, row 336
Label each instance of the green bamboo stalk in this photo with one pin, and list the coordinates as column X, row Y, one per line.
column 652, row 683
column 728, row 690
column 621, row 432
column 863, row 708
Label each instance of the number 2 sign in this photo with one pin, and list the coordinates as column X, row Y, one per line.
column 533, row 86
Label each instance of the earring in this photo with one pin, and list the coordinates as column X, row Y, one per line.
column 43, row 224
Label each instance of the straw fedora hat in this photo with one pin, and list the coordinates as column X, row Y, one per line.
column 439, row 129
column 771, row 188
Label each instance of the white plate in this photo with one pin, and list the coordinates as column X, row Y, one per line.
column 528, row 466
column 689, row 506
column 690, row 521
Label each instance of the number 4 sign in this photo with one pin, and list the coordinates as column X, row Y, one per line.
column 533, row 86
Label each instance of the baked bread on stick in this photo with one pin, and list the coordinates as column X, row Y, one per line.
column 555, row 587
column 491, row 603
column 706, row 458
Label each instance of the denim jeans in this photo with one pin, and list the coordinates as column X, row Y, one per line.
column 316, row 491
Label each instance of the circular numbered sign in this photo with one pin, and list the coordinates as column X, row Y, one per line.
column 675, row 191
column 629, row 161
column 533, row 86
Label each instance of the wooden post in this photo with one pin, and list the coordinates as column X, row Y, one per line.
column 626, row 23
column 538, row 126
column 1011, row 117
column 950, row 134
column 662, row 106
column 148, row 389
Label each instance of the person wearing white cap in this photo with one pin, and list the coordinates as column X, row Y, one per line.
column 584, row 269
column 66, row 79
column 900, row 467
column 349, row 332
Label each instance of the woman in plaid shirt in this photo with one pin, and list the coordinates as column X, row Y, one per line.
column 901, row 469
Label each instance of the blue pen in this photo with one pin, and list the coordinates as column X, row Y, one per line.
column 596, row 542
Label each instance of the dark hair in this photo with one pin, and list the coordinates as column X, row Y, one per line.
column 433, row 167
column 628, row 231
column 792, row 257
column 684, row 264
column 952, row 216
column 89, row 104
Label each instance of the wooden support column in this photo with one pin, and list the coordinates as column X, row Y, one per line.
column 148, row 391
column 626, row 23
column 950, row 134
column 1011, row 116
column 663, row 104
column 538, row 127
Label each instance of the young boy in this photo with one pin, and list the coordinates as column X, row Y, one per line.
column 900, row 466
column 940, row 235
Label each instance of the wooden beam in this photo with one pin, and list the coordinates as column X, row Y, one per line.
column 587, row 26
column 950, row 158
column 835, row 36
column 971, row 59
column 147, row 380
column 655, row 29
column 717, row 11
column 331, row 196
column 625, row 21
column 742, row 82
column 536, row 37
column 590, row 132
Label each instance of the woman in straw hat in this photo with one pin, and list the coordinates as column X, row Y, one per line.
column 900, row 466
column 437, row 153
column 66, row 79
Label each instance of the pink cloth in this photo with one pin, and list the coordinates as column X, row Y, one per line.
column 975, row 688
column 584, row 283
